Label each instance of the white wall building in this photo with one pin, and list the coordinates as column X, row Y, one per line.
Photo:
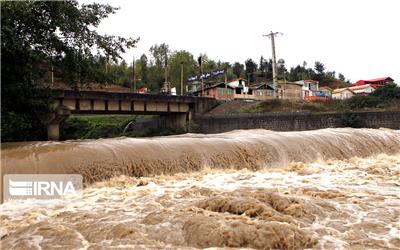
column 342, row 94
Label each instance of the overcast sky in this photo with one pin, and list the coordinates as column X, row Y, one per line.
column 359, row 38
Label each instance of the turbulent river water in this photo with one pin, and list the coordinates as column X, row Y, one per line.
column 322, row 189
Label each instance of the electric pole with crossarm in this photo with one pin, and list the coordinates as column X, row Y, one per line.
column 272, row 35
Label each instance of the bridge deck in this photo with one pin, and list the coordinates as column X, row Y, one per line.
column 99, row 102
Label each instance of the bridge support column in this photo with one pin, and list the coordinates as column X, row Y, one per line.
column 53, row 128
column 53, row 131
column 176, row 120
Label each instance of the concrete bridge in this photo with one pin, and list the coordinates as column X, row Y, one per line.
column 178, row 110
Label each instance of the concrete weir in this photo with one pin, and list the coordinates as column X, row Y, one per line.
column 177, row 110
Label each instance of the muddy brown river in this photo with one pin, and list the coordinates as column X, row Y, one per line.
column 253, row 189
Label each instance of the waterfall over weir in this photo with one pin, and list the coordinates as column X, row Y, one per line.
column 253, row 149
column 253, row 189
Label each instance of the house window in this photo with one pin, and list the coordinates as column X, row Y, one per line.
column 221, row 91
column 230, row 92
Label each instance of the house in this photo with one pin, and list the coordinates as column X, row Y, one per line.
column 309, row 87
column 217, row 91
column 363, row 89
column 341, row 94
column 262, row 91
column 326, row 91
column 242, row 91
column 291, row 91
column 311, row 91
column 377, row 82
column 239, row 82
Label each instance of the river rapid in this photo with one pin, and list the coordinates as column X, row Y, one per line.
column 252, row 189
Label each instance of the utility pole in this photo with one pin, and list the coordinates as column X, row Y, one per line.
column 133, row 73
column 182, row 79
column 201, row 75
column 166, row 79
column 226, row 84
column 272, row 35
column 166, row 83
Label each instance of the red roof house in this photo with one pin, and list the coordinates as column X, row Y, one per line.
column 377, row 81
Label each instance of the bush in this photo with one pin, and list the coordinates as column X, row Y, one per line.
column 74, row 128
column 388, row 92
column 363, row 101
column 352, row 120
column 106, row 131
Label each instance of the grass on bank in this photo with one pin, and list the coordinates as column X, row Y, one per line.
column 108, row 126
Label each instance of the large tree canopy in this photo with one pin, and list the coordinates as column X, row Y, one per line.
column 37, row 35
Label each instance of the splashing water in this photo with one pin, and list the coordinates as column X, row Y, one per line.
column 326, row 189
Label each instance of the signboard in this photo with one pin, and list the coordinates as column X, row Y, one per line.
column 206, row 75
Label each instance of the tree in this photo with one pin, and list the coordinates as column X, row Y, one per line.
column 39, row 35
column 341, row 77
column 251, row 67
column 281, row 68
column 160, row 54
column 159, row 60
column 262, row 67
column 189, row 67
column 388, row 92
column 319, row 67
column 238, row 69
column 143, row 67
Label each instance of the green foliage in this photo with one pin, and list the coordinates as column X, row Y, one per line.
column 388, row 92
column 319, row 67
column 319, row 73
column 380, row 98
column 363, row 101
column 106, row 131
column 36, row 35
column 341, row 77
column 255, row 108
column 106, row 126
column 143, row 68
column 94, row 126
column 74, row 128
column 158, row 62
column 251, row 68
column 352, row 120
column 238, row 69
column 189, row 67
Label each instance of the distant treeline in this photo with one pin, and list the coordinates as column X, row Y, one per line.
column 149, row 69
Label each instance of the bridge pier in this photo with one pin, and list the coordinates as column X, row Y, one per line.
column 53, row 132
column 176, row 120
column 53, row 128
